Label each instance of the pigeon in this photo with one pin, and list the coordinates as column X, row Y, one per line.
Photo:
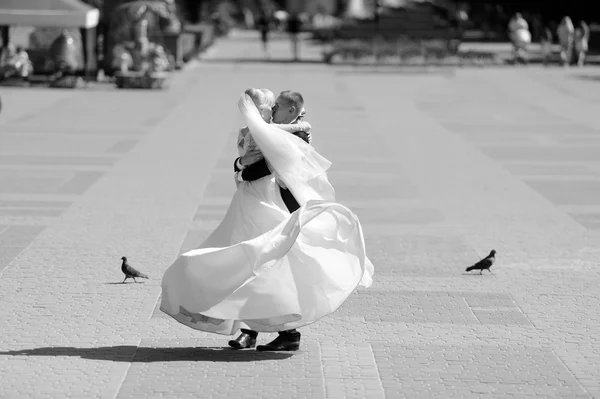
column 484, row 264
column 129, row 271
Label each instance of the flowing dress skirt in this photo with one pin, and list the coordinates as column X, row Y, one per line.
column 266, row 270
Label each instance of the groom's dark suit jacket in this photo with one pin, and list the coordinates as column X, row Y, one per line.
column 260, row 169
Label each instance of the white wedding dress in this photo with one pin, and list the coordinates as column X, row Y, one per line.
column 263, row 268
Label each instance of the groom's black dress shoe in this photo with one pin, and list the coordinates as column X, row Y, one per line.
column 286, row 341
column 244, row 341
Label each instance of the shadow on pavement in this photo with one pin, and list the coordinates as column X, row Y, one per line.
column 134, row 354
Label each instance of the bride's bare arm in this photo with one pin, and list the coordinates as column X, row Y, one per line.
column 300, row 129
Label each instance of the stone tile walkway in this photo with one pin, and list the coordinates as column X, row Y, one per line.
column 440, row 165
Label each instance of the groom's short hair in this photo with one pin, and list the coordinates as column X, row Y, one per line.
column 293, row 98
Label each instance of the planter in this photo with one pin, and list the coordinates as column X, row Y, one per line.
column 141, row 80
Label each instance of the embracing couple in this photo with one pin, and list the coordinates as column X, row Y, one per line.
column 285, row 254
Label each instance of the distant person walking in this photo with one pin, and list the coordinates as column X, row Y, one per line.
column 546, row 40
column 263, row 24
column 582, row 37
column 294, row 26
column 248, row 18
column 566, row 33
column 518, row 30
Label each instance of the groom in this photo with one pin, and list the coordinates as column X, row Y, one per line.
column 252, row 166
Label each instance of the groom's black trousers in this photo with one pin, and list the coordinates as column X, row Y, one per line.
column 254, row 172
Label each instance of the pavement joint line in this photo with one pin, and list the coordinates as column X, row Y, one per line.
column 583, row 388
column 120, row 385
column 322, row 370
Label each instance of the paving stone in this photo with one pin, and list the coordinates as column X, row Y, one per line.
column 29, row 184
column 122, row 146
column 588, row 220
column 34, row 204
column 68, row 130
column 422, row 255
column 501, row 317
column 550, row 170
column 537, row 154
column 8, row 159
column 489, row 300
column 408, row 306
column 569, row 192
column 20, row 235
column 56, row 145
column 188, row 370
column 80, row 183
column 533, row 127
column 8, row 255
column 30, row 212
column 470, row 370
column 211, row 212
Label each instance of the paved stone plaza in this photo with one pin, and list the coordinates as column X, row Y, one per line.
column 441, row 166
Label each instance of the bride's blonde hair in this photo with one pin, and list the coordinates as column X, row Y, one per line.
column 264, row 99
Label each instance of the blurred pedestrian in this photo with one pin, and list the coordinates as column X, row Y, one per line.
column 263, row 24
column 566, row 33
column 546, row 45
column 520, row 36
column 248, row 18
column 217, row 23
column 294, row 26
column 582, row 37
column 280, row 18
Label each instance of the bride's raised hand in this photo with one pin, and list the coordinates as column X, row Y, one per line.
column 251, row 157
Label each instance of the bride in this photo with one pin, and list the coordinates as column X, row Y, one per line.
column 264, row 269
